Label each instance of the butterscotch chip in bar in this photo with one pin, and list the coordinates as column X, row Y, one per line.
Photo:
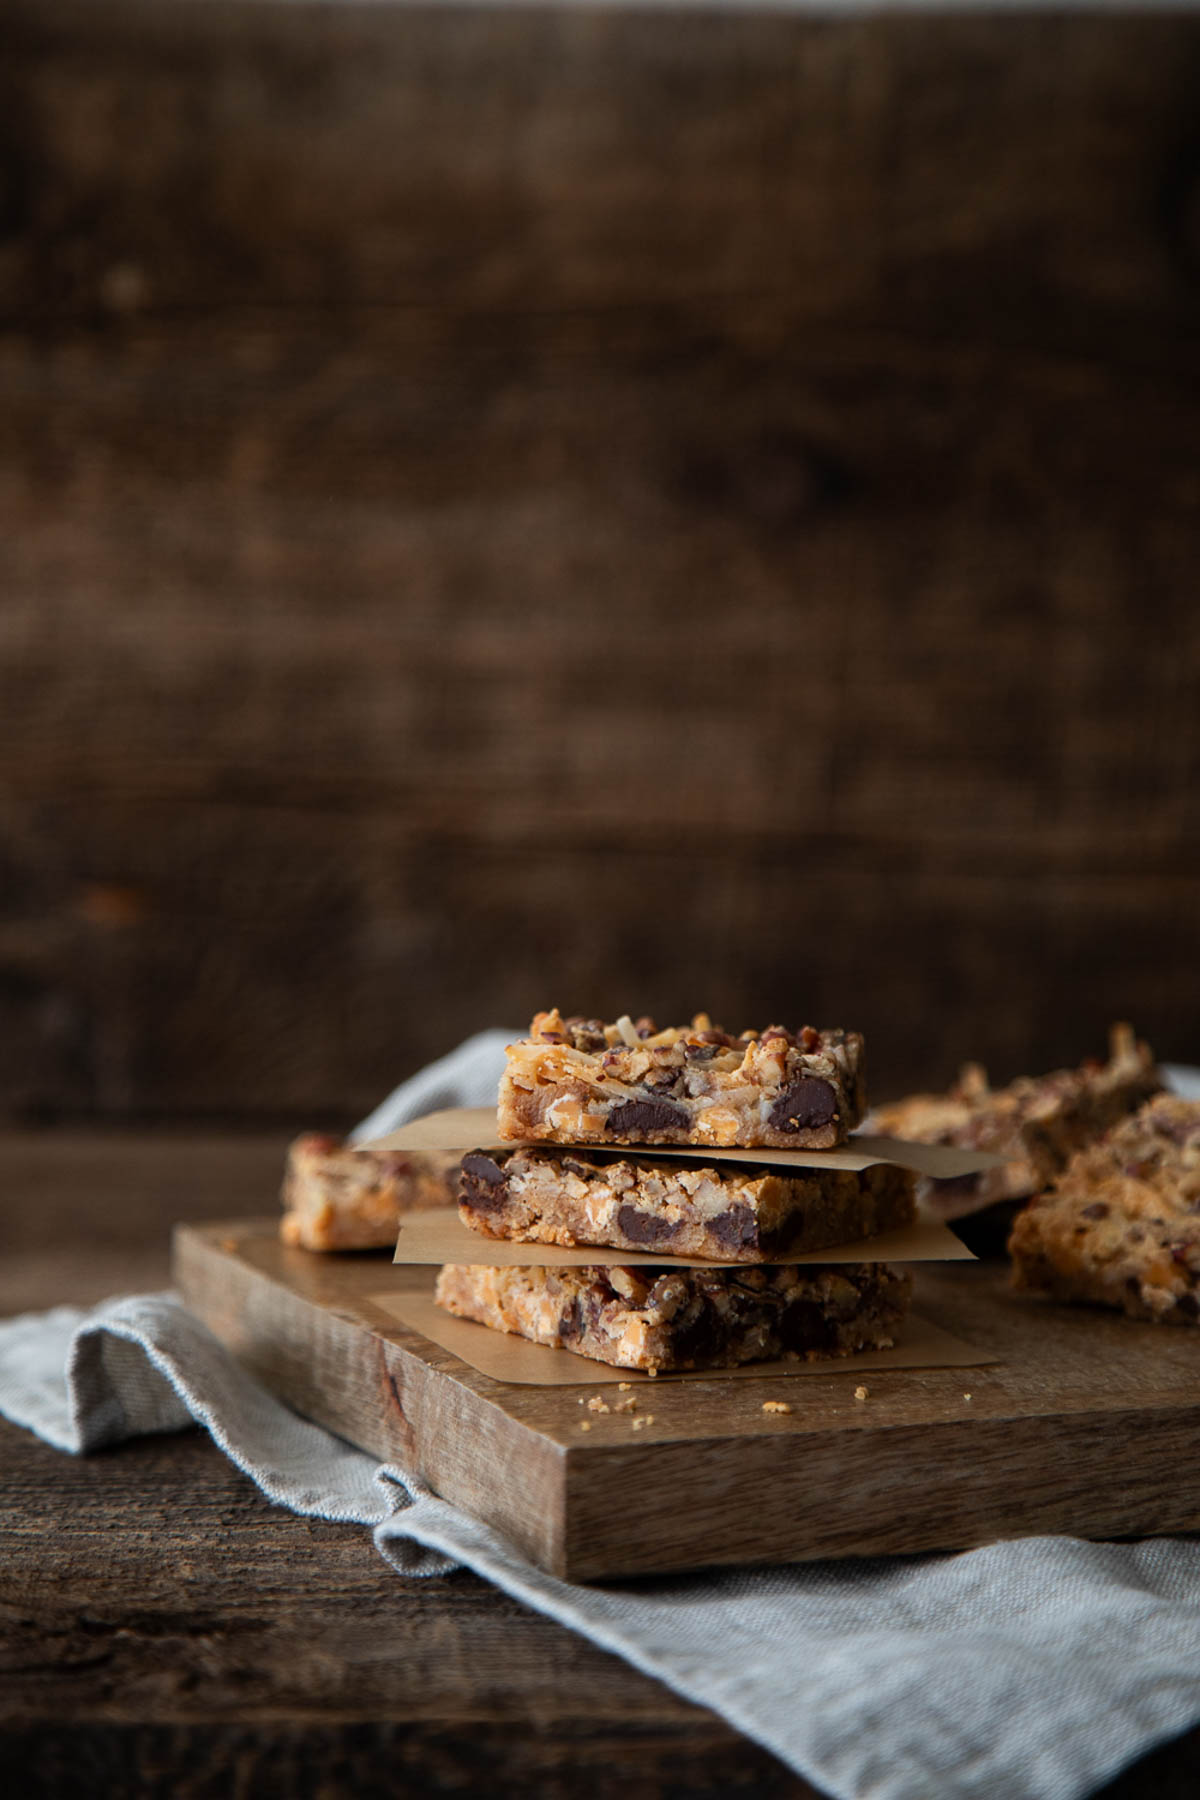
column 1037, row 1122
column 580, row 1081
column 724, row 1211
column 652, row 1318
column 1122, row 1226
column 337, row 1197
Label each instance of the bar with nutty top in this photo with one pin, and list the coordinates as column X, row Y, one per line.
column 580, row 1081
column 725, row 1211
column 649, row 1318
column 337, row 1197
column 1037, row 1122
column 1122, row 1226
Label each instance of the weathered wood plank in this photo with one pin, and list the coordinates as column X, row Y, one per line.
column 86, row 1214
column 944, row 170
column 905, row 778
column 161, row 1626
column 505, row 507
column 296, row 966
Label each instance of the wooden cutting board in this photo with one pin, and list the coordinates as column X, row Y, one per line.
column 1086, row 1424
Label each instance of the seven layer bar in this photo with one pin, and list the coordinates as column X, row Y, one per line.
column 726, row 1211
column 1122, row 1226
column 580, row 1081
column 1037, row 1122
column 339, row 1197
column 651, row 1318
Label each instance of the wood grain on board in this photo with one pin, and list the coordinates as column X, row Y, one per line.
column 1086, row 1424
column 511, row 507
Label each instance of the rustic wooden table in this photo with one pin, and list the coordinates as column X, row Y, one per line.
column 166, row 1631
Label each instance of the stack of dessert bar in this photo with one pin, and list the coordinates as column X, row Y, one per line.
column 592, row 1107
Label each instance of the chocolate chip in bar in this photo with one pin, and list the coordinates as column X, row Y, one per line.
column 643, row 1228
column 735, row 1228
column 483, row 1168
column 483, row 1182
column 807, row 1103
column 645, row 1115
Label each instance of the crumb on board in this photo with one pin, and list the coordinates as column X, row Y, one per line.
column 585, row 1424
column 652, row 1371
column 640, row 1424
column 862, row 1393
column 623, row 1387
column 626, row 1406
column 776, row 1406
column 966, row 1396
column 598, row 1404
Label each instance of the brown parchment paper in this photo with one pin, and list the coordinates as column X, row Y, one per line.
column 463, row 1128
column 438, row 1235
column 922, row 1345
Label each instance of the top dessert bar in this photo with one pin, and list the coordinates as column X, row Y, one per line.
column 1037, row 1122
column 1122, row 1226
column 579, row 1081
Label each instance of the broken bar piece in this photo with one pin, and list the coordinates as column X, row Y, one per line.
column 1037, row 1122
column 580, row 1081
column 666, row 1319
column 724, row 1211
column 337, row 1197
column 1122, row 1226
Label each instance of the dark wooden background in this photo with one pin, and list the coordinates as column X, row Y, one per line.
column 633, row 511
